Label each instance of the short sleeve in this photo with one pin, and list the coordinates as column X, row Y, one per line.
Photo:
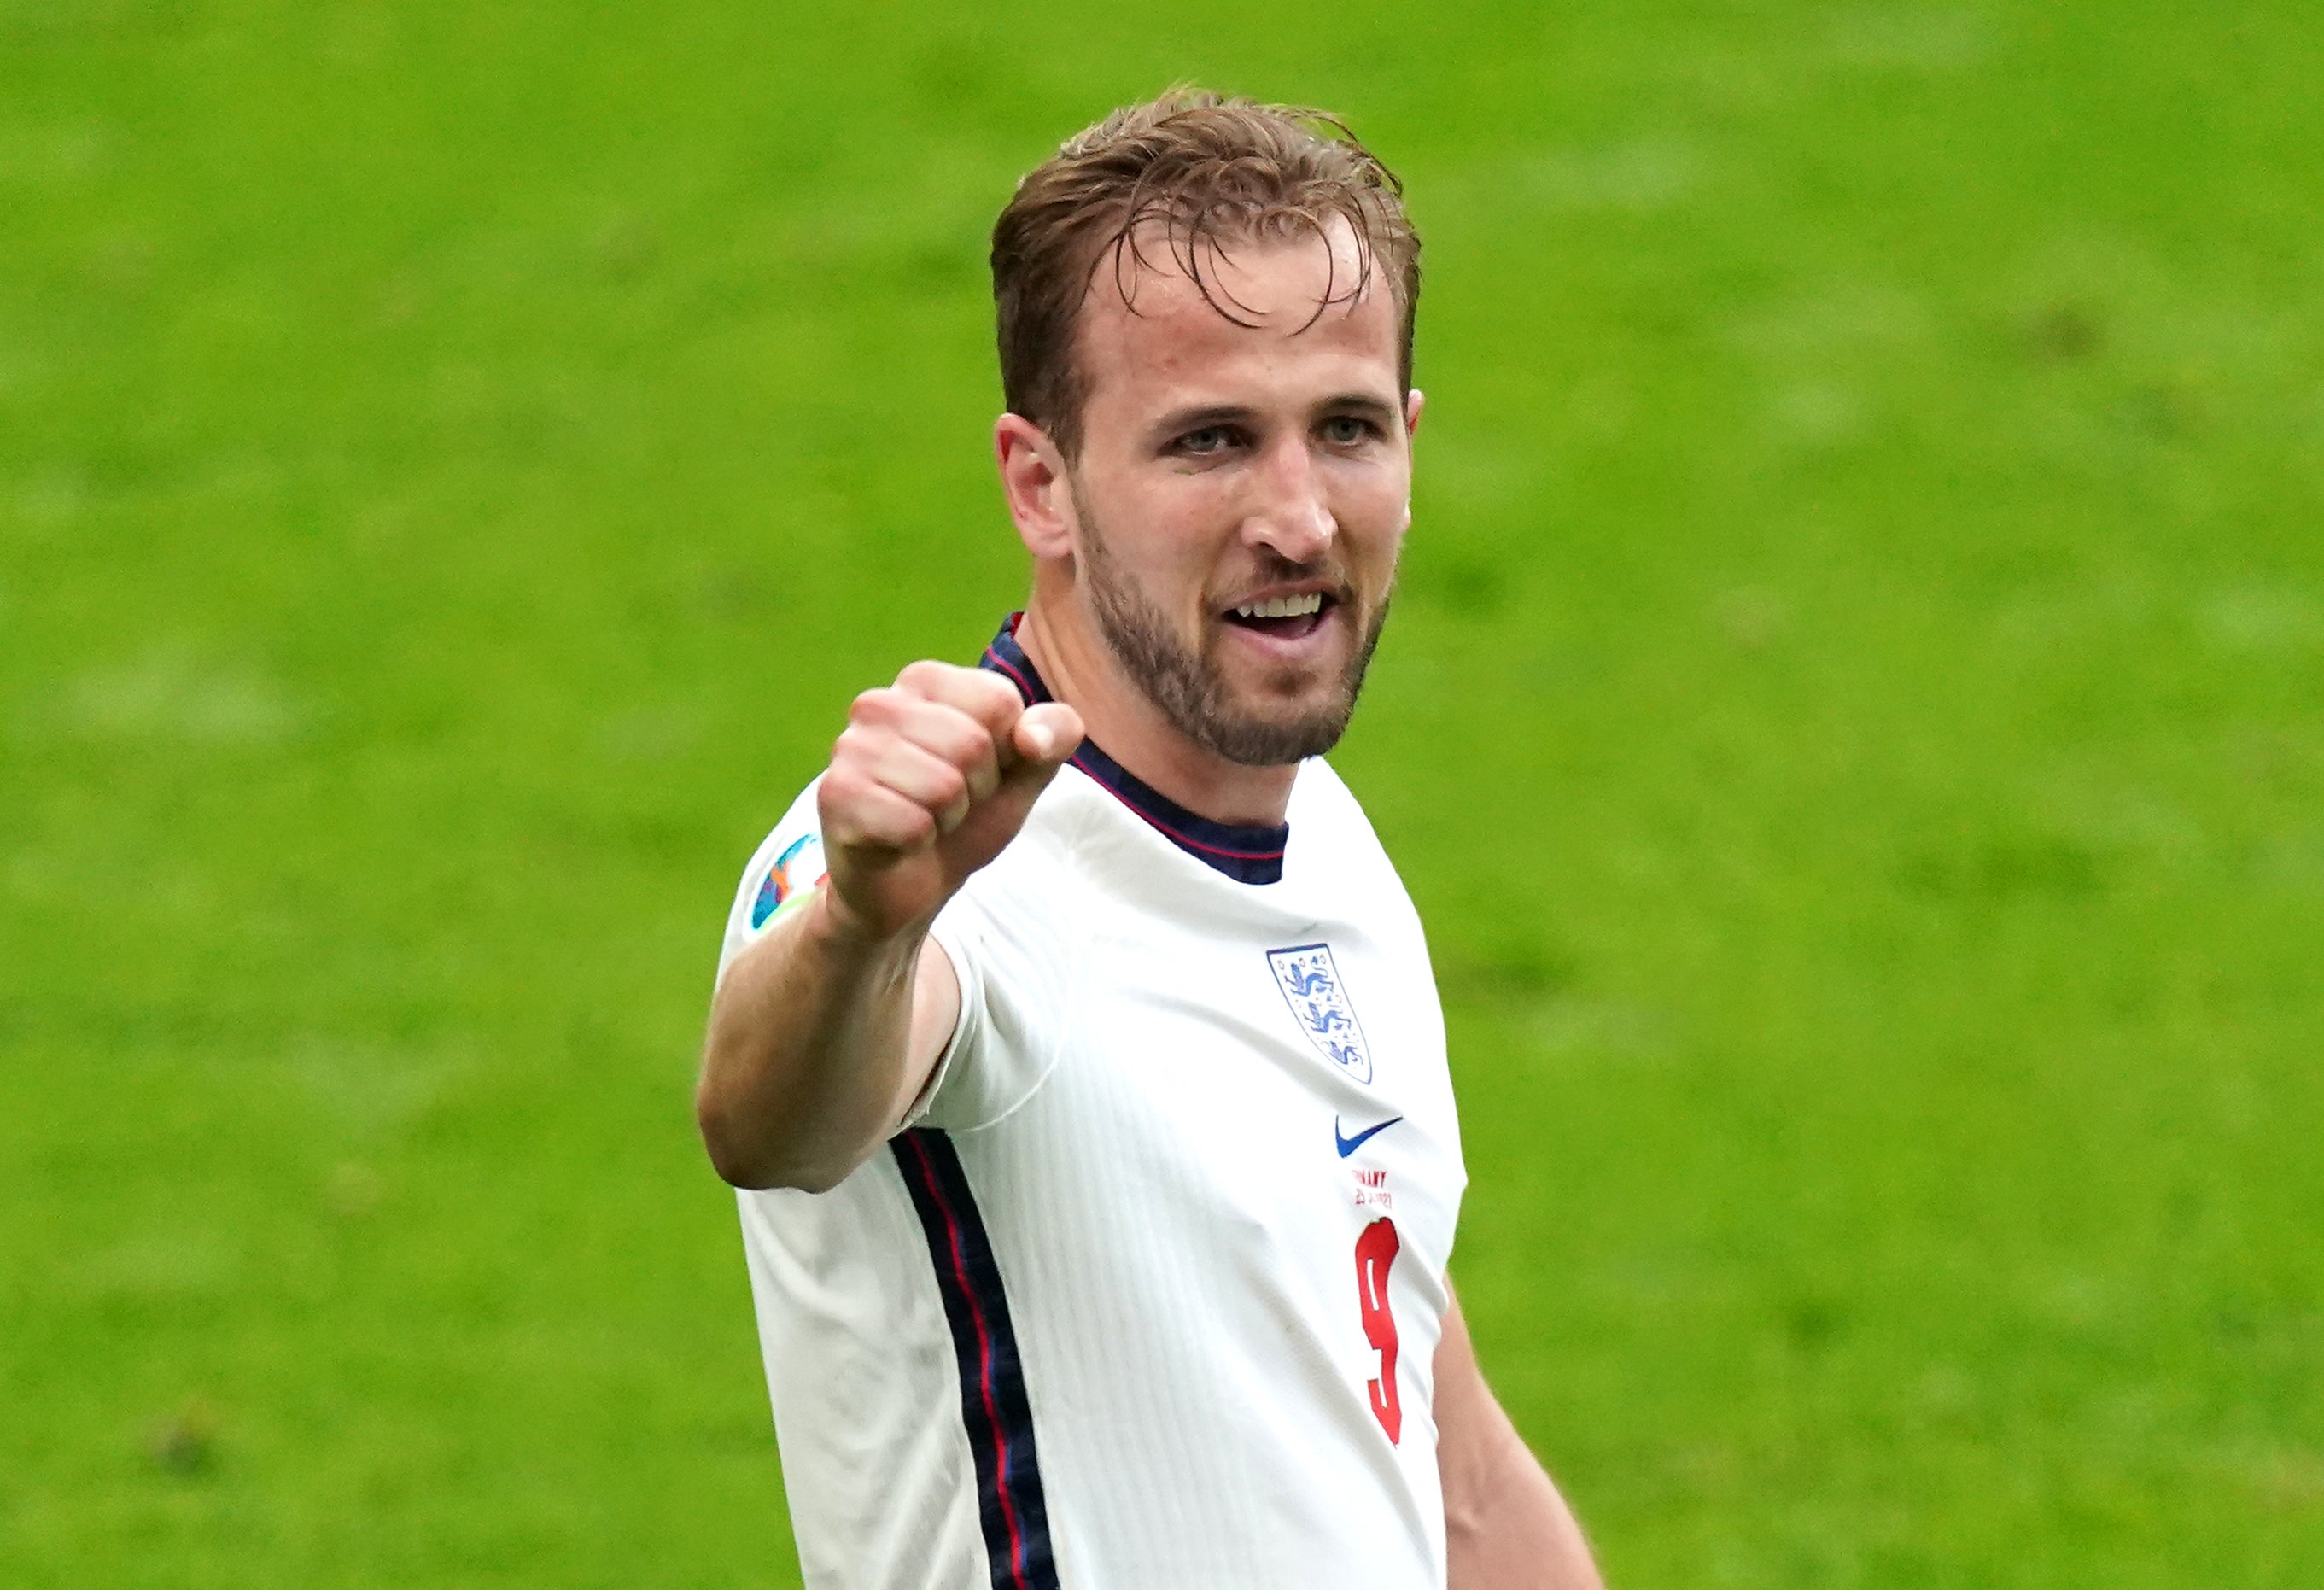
column 1004, row 935
column 783, row 873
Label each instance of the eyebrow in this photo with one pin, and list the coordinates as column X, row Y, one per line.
column 1178, row 421
column 1360, row 403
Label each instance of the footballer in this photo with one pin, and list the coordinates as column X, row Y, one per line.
column 1074, row 1048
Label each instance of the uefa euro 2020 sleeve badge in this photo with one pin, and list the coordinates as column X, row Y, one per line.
column 1319, row 1002
column 797, row 870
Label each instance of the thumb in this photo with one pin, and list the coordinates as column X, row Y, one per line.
column 1047, row 735
column 1043, row 738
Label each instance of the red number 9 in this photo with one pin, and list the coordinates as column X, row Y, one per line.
column 1376, row 1251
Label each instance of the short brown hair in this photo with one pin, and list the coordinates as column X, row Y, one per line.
column 1202, row 169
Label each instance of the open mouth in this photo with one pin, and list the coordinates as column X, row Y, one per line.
column 1283, row 618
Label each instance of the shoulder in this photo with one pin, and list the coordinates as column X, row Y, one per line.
column 1337, row 859
column 1326, row 816
column 1321, row 796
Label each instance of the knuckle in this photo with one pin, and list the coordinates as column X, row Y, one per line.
column 999, row 694
column 873, row 705
column 948, row 785
column 964, row 740
column 907, row 821
column 945, row 732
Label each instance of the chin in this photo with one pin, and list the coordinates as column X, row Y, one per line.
column 1279, row 733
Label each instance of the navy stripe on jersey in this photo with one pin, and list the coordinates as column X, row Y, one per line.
column 1014, row 1517
column 1246, row 854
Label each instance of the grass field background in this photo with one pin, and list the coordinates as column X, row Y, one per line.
column 1854, row 724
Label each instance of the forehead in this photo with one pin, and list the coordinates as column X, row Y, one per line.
column 1152, row 334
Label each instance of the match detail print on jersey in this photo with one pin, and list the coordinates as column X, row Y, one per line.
column 1012, row 1512
column 1310, row 980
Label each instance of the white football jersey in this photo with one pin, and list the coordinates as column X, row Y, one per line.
column 1147, row 1295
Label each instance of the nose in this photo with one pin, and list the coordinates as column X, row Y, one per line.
column 1291, row 517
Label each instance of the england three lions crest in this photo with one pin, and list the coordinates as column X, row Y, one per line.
column 1320, row 1005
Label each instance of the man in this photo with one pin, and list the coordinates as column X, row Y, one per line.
column 1076, row 1044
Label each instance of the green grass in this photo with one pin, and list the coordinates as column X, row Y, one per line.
column 1855, row 725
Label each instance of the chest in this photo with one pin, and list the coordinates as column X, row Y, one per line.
column 1279, row 1092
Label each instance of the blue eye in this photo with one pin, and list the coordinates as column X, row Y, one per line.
column 1210, row 439
column 1346, row 429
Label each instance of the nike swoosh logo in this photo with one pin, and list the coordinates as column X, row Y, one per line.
column 1349, row 1145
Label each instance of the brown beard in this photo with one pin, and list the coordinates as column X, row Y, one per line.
column 1185, row 686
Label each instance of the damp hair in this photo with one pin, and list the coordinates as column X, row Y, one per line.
column 1181, row 181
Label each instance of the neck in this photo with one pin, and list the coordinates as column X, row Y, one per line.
column 1083, row 671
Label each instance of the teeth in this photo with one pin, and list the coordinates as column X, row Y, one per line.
column 1283, row 607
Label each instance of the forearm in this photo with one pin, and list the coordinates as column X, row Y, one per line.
column 806, row 1063
column 1505, row 1527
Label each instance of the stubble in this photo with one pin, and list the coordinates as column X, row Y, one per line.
column 1188, row 687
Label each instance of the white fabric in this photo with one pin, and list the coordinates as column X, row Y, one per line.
column 1152, row 1139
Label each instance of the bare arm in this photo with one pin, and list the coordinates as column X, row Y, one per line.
column 1505, row 1527
column 820, row 1040
column 823, row 1032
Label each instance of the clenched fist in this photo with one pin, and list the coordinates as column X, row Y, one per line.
column 931, row 779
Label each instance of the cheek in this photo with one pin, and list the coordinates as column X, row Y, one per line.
column 1164, row 535
column 1185, row 526
column 1373, row 510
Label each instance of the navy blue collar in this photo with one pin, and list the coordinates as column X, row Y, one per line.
column 1246, row 854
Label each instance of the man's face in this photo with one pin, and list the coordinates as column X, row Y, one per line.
column 1242, row 492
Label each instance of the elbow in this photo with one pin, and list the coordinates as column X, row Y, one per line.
column 739, row 1168
column 761, row 1174
column 742, row 1158
column 748, row 1156
column 765, row 1123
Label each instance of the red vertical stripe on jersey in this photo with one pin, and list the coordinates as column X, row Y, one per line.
column 1012, row 1508
column 984, row 1370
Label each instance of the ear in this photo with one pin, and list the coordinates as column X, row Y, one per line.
column 1033, row 481
column 1412, row 403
